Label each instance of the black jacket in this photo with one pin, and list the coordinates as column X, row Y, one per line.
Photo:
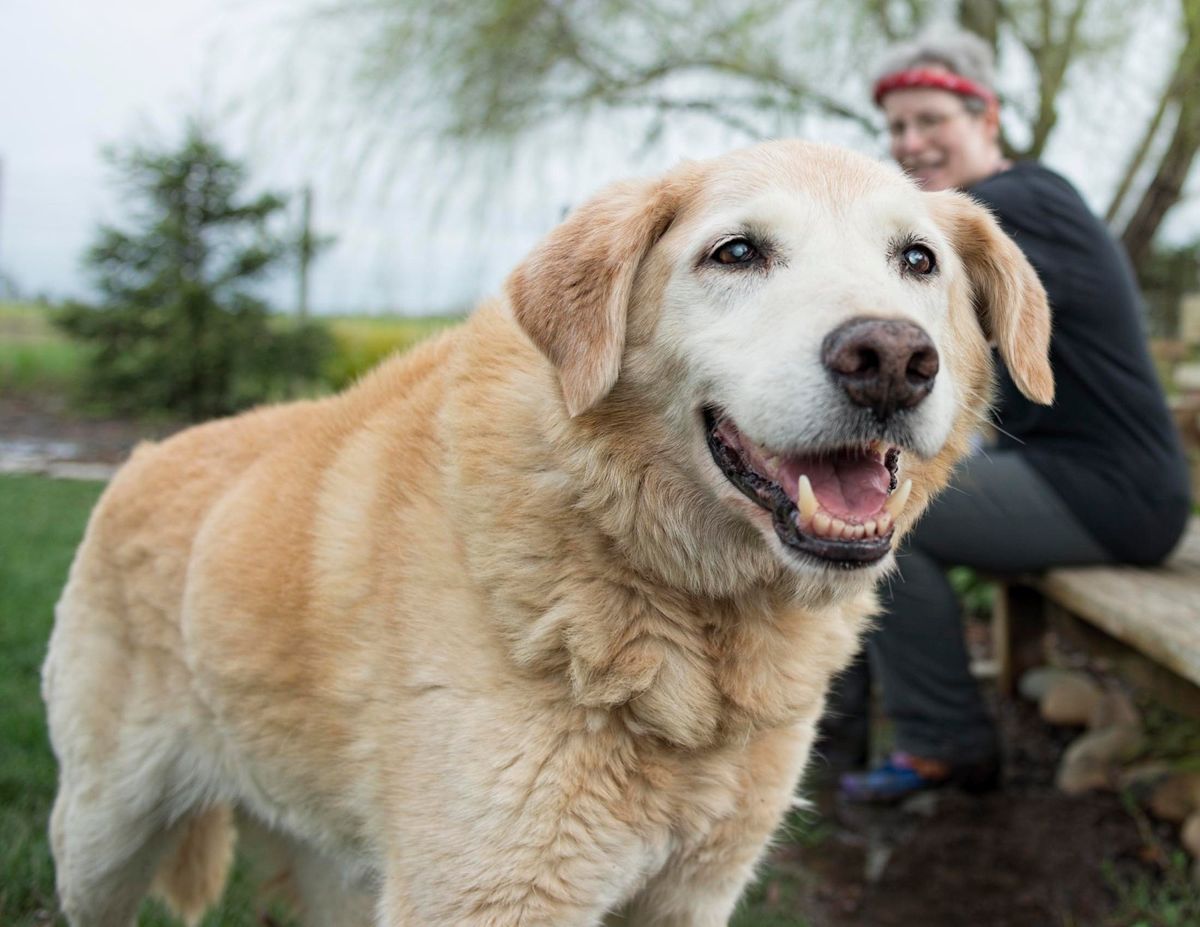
column 1108, row 445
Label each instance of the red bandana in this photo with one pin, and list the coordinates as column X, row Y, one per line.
column 934, row 78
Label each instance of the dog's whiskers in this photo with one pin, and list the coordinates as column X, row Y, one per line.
column 987, row 420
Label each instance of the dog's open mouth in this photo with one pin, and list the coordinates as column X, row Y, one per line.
column 838, row 506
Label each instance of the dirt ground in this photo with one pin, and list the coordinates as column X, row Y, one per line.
column 40, row 434
column 1025, row 856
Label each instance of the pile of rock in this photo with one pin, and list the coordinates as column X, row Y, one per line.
column 1114, row 735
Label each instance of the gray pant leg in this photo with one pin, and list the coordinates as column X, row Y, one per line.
column 998, row 515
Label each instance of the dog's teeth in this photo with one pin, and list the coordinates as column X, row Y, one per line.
column 806, row 498
column 821, row 523
column 869, row 529
column 836, row 527
column 895, row 504
column 859, row 532
column 882, row 525
column 848, row 533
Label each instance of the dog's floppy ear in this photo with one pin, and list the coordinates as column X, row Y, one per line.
column 571, row 296
column 1008, row 296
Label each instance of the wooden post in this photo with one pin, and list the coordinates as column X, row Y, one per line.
column 1018, row 633
column 306, row 251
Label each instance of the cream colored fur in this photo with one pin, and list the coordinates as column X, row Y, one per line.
column 488, row 639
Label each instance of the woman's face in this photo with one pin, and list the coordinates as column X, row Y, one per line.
column 938, row 141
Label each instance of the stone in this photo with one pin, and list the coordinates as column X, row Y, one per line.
column 1092, row 761
column 1072, row 699
column 1187, row 378
column 1033, row 683
column 1177, row 797
column 1143, row 778
column 1189, row 836
column 1115, row 708
column 1189, row 319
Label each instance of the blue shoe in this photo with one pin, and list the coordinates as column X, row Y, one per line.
column 903, row 774
column 895, row 779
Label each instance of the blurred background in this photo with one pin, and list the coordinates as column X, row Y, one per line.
column 206, row 204
column 440, row 141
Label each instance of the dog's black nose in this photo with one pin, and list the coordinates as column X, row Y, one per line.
column 882, row 364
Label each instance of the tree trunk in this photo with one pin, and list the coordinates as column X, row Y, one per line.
column 1166, row 187
column 981, row 17
column 1139, row 155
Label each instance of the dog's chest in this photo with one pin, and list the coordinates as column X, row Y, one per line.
column 701, row 681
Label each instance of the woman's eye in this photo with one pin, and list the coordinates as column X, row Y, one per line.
column 738, row 251
column 919, row 260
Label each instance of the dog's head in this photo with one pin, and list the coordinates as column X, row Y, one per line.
column 809, row 328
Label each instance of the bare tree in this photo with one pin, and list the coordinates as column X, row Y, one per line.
column 1165, row 187
column 491, row 71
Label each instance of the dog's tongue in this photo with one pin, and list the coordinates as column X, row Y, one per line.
column 851, row 486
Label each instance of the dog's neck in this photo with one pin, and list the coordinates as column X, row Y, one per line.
column 610, row 578
column 696, row 673
column 610, row 571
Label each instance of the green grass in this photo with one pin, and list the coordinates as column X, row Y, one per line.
column 36, row 357
column 40, row 524
column 1168, row 898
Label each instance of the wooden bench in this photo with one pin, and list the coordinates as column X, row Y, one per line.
column 1144, row 620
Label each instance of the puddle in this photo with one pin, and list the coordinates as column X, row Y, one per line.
column 55, row 458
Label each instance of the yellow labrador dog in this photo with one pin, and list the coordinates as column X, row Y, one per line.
column 532, row 626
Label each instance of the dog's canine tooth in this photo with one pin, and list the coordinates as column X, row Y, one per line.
column 806, row 498
column 895, row 504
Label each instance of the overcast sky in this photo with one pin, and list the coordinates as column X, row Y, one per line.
column 77, row 75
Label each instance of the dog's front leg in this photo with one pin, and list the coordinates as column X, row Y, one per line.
column 702, row 881
column 700, row 889
column 535, row 902
column 568, row 875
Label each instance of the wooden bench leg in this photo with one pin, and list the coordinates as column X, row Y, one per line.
column 1018, row 633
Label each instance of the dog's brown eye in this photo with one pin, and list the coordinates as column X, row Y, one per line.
column 918, row 259
column 737, row 251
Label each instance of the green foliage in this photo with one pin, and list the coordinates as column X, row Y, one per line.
column 1171, row 737
column 1169, row 898
column 361, row 343
column 179, row 328
column 1165, row 276
column 495, row 70
column 1172, row 269
column 37, row 356
column 975, row 594
column 34, row 356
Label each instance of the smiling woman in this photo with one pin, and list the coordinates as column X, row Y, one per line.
column 1098, row 476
